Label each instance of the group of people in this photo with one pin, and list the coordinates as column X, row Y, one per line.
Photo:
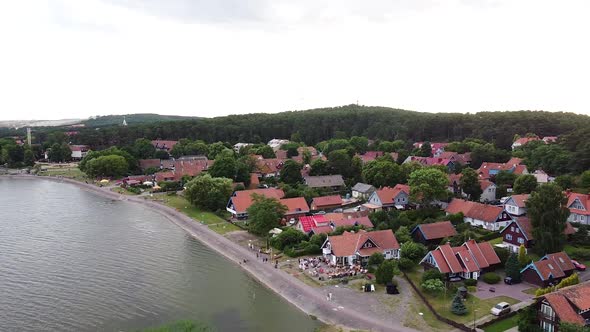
column 260, row 254
column 310, row 263
column 321, row 267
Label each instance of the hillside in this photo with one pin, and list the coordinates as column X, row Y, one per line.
column 131, row 119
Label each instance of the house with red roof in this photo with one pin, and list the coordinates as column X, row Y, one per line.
column 516, row 204
column 566, row 305
column 79, row 151
column 549, row 270
column 240, row 201
column 579, row 206
column 520, row 232
column 457, row 158
column 319, row 223
column 326, row 202
column 386, row 198
column 271, row 167
column 164, row 145
column 488, row 191
column 431, row 161
column 370, row 156
column 468, row 261
column 523, row 141
column 346, row 222
column 490, row 217
column 489, row 170
column 433, row 233
column 437, row 148
column 355, row 248
column 296, row 207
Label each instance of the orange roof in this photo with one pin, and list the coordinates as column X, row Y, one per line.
column 563, row 308
column 437, row 230
column 525, row 140
column 295, row 205
column 578, row 295
column 254, row 181
column 484, row 212
column 469, row 257
column 348, row 244
column 563, row 260
column 387, row 195
column 520, row 200
column 449, row 256
column 326, row 201
column 243, row 199
column 164, row 145
column 350, row 221
column 484, row 184
column 583, row 199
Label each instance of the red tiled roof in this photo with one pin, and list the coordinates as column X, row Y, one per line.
column 524, row 224
column 348, row 244
column 387, row 195
column 563, row 260
column 563, row 308
column 370, row 156
column 147, row 163
column 326, row 201
column 525, row 140
column 79, row 147
column 243, row 199
column 484, row 184
column 469, row 257
column 548, row 268
column 520, row 200
column 449, row 255
column 164, row 145
column 430, row 161
column 437, row 230
column 455, row 178
column 346, row 222
column 309, row 222
column 269, row 166
column 295, row 205
column 484, row 212
column 254, row 181
column 584, row 200
column 513, row 165
column 488, row 252
column 322, row 230
column 440, row 261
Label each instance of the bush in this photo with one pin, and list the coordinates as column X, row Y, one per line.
column 288, row 238
column 581, row 254
column 470, row 282
column 134, row 190
column 491, row 278
column 458, row 307
column 376, row 259
column 433, row 286
column 406, row 264
column 386, row 271
column 432, row 274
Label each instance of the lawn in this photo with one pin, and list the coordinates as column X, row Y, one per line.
column 224, row 227
column 180, row 203
column 503, row 325
column 442, row 303
column 72, row 172
column 122, row 191
column 496, row 241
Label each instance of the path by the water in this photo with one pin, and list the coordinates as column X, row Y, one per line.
column 310, row 300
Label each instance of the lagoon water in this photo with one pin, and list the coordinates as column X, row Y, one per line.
column 73, row 261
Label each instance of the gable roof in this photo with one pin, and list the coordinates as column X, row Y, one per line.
column 429, row 161
column 326, row 201
column 524, row 224
column 323, row 181
column 350, row 221
column 524, row 140
column 474, row 210
column 243, row 199
column 437, row 230
column 387, row 194
column 486, row 170
column 485, row 183
column 469, row 257
column 568, row 301
column 310, row 222
column 583, row 199
column 518, row 200
column 295, row 205
column 349, row 244
column 363, row 188
column 269, row 166
column 163, row 144
column 551, row 266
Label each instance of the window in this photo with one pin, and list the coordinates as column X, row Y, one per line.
column 509, row 237
column 547, row 327
column 520, row 240
column 517, row 230
column 512, row 228
column 547, row 311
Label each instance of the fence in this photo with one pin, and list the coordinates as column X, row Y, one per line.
column 461, row 327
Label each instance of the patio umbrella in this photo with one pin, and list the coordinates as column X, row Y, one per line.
column 104, row 181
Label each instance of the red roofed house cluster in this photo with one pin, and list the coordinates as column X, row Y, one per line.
column 240, row 201
column 520, row 232
column 437, row 148
column 467, row 261
column 549, row 270
column 566, row 305
column 326, row 202
column 325, row 224
column 356, row 248
column 488, row 216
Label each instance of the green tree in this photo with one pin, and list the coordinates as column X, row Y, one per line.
column 265, row 214
column 512, row 267
column 224, row 167
column 143, row 149
column 291, row 172
column 359, row 143
column 432, row 274
column 566, row 181
column 428, row 184
column 523, row 259
column 110, row 166
column 413, row 251
column 339, row 162
column 457, row 306
column 161, row 154
column 425, row 150
column 386, row 271
column 547, row 211
column 376, row 259
column 264, row 150
column 29, row 157
column 470, row 184
column 585, row 180
column 433, row 286
column 403, row 235
column 381, row 173
column 528, row 320
column 525, row 184
column 55, row 153
column 505, row 178
column 319, row 167
column 288, row 238
column 208, row 192
column 214, row 149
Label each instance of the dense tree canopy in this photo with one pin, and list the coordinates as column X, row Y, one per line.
column 265, row 214
column 547, row 211
column 428, row 184
column 470, row 184
column 110, row 166
column 525, row 184
column 381, row 173
column 208, row 192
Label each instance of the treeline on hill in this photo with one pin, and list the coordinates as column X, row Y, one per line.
column 317, row 125
column 131, row 119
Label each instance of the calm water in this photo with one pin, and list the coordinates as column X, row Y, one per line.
column 74, row 261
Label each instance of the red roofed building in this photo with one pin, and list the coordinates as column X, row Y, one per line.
column 434, row 233
column 523, row 141
column 149, row 163
column 269, row 167
column 396, row 197
column 488, row 191
column 437, row 148
column 370, row 156
column 549, row 270
column 566, row 305
column 431, row 161
column 467, row 261
column 579, row 206
column 296, row 207
column 240, row 201
column 164, row 145
column 520, row 232
column 326, row 202
column 477, row 214
column 79, row 151
column 307, row 223
column 516, row 204
column 356, row 248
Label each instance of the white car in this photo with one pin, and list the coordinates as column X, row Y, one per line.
column 501, row 309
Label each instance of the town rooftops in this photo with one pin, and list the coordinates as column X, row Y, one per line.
column 243, row 199
column 485, row 184
column 295, row 205
column 524, row 140
column 319, row 202
column 307, row 223
column 524, row 224
column 428, row 161
column 474, row 210
column 469, row 257
column 349, row 244
column 387, row 195
column 350, row 221
column 568, row 302
column 486, row 170
column 324, row 181
column 519, row 200
column 437, row 230
column 163, row 144
column 551, row 266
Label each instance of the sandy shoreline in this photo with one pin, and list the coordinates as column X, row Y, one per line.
column 310, row 300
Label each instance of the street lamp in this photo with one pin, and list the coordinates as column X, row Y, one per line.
column 474, row 311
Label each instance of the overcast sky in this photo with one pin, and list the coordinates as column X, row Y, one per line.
column 77, row 58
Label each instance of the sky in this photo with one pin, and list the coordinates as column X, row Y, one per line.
column 80, row 58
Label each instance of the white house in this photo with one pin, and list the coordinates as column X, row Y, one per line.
column 398, row 197
column 356, row 248
column 516, row 204
column 79, row 151
column 362, row 190
column 239, row 146
column 579, row 207
column 477, row 214
column 276, row 143
column 488, row 191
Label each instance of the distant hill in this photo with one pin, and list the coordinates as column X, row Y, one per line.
column 132, row 119
column 37, row 123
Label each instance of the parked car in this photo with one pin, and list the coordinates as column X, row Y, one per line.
column 579, row 266
column 510, row 281
column 501, row 309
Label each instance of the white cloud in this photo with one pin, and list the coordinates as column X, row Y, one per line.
column 75, row 58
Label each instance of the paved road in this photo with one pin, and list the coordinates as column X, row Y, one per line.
column 306, row 298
